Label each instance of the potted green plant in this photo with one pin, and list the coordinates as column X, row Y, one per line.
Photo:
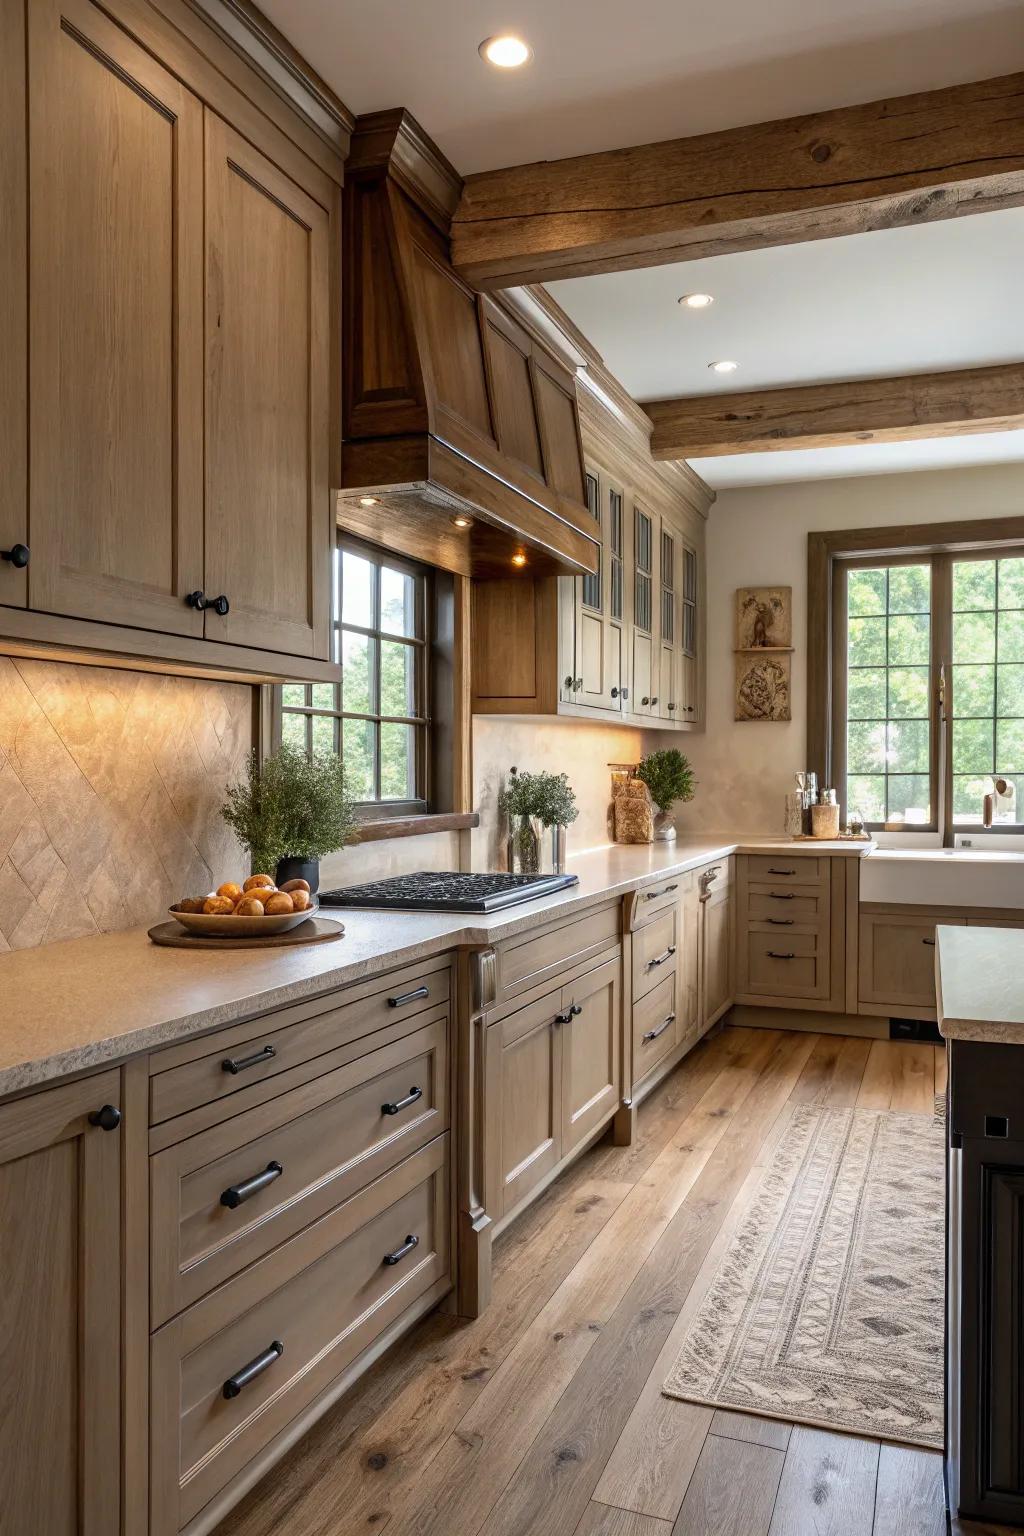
column 291, row 810
column 669, row 778
column 532, row 804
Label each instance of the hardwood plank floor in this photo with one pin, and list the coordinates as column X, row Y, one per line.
column 545, row 1416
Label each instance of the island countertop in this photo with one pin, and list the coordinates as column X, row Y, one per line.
column 980, row 984
column 85, row 1003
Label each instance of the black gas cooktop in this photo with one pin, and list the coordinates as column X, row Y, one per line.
column 447, row 891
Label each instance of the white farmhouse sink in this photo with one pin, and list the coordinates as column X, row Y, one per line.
column 943, row 877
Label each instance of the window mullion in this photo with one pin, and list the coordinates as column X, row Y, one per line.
column 941, row 735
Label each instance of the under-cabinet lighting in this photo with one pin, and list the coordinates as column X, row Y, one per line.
column 461, row 521
column 724, row 365
column 367, row 501
column 519, row 558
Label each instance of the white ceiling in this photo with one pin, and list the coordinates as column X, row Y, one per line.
column 606, row 74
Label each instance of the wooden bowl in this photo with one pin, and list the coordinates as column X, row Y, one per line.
column 225, row 925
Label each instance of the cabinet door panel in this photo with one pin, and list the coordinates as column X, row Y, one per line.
column 13, row 300
column 268, row 536
column 897, row 958
column 60, row 1262
column 717, row 956
column 531, row 1107
column 591, row 1052
column 115, row 155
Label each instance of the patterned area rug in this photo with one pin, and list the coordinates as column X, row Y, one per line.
column 827, row 1307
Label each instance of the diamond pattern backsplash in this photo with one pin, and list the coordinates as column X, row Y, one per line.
column 110, row 791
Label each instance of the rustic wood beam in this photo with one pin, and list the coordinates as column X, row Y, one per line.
column 933, row 155
column 830, row 415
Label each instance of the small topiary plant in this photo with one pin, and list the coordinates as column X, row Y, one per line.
column 291, row 806
column 668, row 776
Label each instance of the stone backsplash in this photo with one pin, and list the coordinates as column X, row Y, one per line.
column 110, row 789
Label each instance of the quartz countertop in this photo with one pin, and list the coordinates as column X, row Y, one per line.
column 981, row 984
column 86, row 1003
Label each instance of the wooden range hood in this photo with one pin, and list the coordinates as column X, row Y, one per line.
column 452, row 408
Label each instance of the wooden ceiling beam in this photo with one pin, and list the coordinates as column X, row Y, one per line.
column 907, row 160
column 832, row 415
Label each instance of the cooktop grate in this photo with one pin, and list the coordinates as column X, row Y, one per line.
column 447, row 891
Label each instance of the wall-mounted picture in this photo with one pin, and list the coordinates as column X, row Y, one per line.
column 762, row 686
column 764, row 617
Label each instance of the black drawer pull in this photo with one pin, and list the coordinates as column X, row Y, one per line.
column 237, row 1194
column 776, row 954
column 652, row 1034
column 781, row 896
column 660, row 959
column 201, row 603
column 242, row 1378
column 781, row 871
column 17, row 555
column 929, row 941
column 653, row 895
column 400, row 1104
column 236, row 1064
column 108, row 1118
column 408, row 997
column 400, row 1253
column 781, row 922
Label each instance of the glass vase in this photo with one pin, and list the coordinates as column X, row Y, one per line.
column 524, row 846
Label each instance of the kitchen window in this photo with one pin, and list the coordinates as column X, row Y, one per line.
column 378, row 716
column 924, row 715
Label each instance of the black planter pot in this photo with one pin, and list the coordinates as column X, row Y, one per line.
column 299, row 869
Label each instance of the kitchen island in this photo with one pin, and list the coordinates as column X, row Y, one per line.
column 980, row 988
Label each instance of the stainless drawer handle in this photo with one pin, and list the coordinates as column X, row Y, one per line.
column 236, row 1194
column 400, row 1104
column 242, row 1378
column 929, row 941
column 236, row 1064
column 781, row 896
column 772, row 871
column 776, row 954
column 781, row 922
column 653, row 895
column 660, row 959
column 652, row 1034
column 400, row 1253
column 408, row 997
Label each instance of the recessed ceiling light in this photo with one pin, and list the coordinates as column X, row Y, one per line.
column 461, row 521
column 696, row 300
column 725, row 365
column 519, row 558
column 505, row 51
column 367, row 501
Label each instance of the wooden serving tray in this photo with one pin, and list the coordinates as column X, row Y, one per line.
column 317, row 930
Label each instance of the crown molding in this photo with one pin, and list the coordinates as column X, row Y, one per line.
column 395, row 144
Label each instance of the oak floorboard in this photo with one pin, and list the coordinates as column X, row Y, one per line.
column 909, row 1498
column 603, row 1520
column 462, row 1482
column 747, row 1426
column 941, row 1068
column 732, row 1491
column 880, row 1076
column 849, row 1074
column 816, row 1078
column 827, row 1486
column 914, row 1087
column 550, row 1489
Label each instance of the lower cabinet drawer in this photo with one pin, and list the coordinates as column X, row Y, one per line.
column 227, row 1196
column 655, row 947
column 801, row 868
column 656, row 1027
column 786, row 964
column 787, row 908
column 229, row 1374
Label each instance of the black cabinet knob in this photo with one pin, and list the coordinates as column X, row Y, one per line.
column 569, row 683
column 199, row 600
column 17, row 555
column 615, row 693
column 654, row 700
column 645, row 700
column 108, row 1118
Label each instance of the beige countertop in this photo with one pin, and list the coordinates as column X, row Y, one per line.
column 89, row 1002
column 981, row 984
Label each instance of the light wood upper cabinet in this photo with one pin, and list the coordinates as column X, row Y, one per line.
column 13, row 301
column 60, row 1280
column 116, row 326
column 267, row 414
